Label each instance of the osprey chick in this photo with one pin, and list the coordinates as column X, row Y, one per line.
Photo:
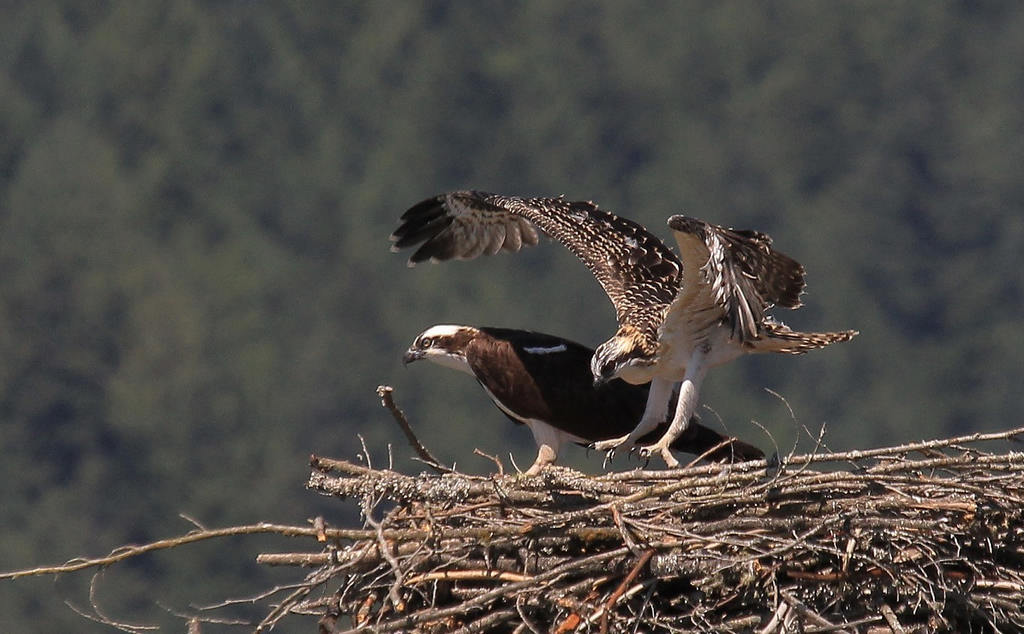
column 677, row 316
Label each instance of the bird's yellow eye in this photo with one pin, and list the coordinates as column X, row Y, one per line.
column 425, row 342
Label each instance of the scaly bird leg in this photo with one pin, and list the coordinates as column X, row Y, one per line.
column 696, row 368
column 545, row 456
column 549, row 441
column 657, row 404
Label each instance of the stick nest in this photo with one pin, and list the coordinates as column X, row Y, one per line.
column 924, row 537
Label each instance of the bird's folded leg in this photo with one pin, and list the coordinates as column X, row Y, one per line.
column 685, row 407
column 546, row 455
column 627, row 442
column 609, row 446
column 549, row 440
column 657, row 402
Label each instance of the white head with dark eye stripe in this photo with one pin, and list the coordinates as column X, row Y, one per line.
column 444, row 344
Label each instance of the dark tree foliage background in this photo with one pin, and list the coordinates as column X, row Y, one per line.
column 195, row 197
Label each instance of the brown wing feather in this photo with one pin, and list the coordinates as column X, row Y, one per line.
column 778, row 337
column 637, row 271
column 450, row 229
column 746, row 276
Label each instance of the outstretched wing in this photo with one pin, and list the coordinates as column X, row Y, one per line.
column 637, row 271
column 736, row 272
column 460, row 225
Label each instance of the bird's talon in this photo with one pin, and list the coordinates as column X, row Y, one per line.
column 608, row 457
column 648, row 451
column 669, row 459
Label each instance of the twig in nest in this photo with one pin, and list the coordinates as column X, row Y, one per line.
column 385, row 551
column 320, row 526
column 314, row 579
column 495, row 459
column 527, row 622
column 802, row 610
column 467, row 575
column 98, row 615
column 295, row 559
column 127, row 552
column 388, row 401
column 627, row 539
column 890, row 618
column 366, row 452
column 725, row 443
column 363, row 614
column 779, row 621
column 610, row 603
column 570, row 624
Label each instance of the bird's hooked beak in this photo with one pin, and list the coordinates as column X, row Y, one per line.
column 599, row 366
column 412, row 354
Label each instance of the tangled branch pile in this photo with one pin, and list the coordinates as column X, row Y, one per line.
column 922, row 537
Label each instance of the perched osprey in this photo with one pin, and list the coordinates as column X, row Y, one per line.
column 678, row 316
column 544, row 382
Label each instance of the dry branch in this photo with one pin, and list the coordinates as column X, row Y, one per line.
column 388, row 402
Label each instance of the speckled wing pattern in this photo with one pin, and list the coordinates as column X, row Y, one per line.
column 638, row 272
column 736, row 272
column 460, row 225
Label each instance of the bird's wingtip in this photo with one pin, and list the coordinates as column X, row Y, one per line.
column 680, row 222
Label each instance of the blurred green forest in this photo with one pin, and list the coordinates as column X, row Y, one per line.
column 197, row 292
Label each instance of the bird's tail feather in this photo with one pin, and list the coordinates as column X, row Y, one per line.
column 778, row 337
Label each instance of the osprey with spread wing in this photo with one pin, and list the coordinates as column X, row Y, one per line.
column 677, row 316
